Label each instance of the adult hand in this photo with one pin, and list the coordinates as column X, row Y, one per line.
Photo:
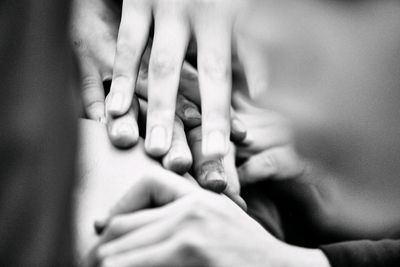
column 93, row 30
column 189, row 227
column 175, row 22
column 268, row 149
column 217, row 175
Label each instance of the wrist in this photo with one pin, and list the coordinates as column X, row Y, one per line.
column 304, row 257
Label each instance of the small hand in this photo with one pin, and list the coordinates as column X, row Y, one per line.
column 167, row 221
column 93, row 30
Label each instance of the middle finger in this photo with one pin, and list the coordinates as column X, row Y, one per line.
column 171, row 35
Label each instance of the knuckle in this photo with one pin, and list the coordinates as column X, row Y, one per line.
column 124, row 49
column 127, row 52
column 198, row 208
column 214, row 67
column 159, row 111
column 218, row 117
column 90, row 83
column 120, row 79
column 163, row 65
column 190, row 247
column 95, row 106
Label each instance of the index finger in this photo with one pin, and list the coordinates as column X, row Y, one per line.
column 160, row 188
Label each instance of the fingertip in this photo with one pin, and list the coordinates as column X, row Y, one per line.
column 178, row 164
column 215, row 144
column 215, row 182
column 117, row 104
column 238, row 131
column 157, row 142
column 124, row 135
column 192, row 117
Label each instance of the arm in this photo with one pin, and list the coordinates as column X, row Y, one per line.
column 363, row 253
column 38, row 134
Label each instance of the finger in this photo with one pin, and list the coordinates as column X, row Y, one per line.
column 208, row 173
column 167, row 55
column 214, row 65
column 132, row 39
column 228, row 163
column 123, row 131
column 189, row 83
column 178, row 158
column 158, row 189
column 93, row 94
column 238, row 129
column 255, row 67
column 145, row 257
column 146, row 236
column 188, row 112
column 232, row 189
column 122, row 224
column 235, row 197
column 278, row 163
column 189, row 90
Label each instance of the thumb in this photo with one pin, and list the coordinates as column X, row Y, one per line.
column 159, row 189
column 92, row 94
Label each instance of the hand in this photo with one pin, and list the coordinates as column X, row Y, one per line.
column 268, row 149
column 218, row 175
column 93, row 30
column 189, row 227
column 212, row 26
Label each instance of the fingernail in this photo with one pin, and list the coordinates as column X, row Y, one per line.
column 192, row 114
column 215, row 144
column 158, row 140
column 238, row 126
column 215, row 181
column 179, row 165
column 116, row 102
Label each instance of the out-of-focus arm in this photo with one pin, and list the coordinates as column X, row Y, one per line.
column 38, row 134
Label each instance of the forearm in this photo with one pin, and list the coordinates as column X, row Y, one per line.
column 364, row 253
